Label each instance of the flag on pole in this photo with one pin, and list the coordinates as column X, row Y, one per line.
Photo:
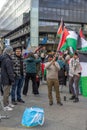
column 82, row 43
column 83, row 62
column 81, row 33
column 82, row 47
column 65, row 33
column 71, row 41
column 60, row 29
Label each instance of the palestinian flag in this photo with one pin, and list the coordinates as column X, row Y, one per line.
column 71, row 41
column 60, row 29
column 83, row 81
column 62, row 42
column 82, row 43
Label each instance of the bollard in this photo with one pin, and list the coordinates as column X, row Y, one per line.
column 64, row 98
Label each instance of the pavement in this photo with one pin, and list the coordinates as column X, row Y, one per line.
column 70, row 116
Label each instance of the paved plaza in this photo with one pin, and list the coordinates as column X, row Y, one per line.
column 70, row 116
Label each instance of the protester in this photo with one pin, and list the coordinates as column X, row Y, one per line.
column 43, row 52
column 74, row 76
column 1, row 86
column 19, row 71
column 52, row 68
column 7, row 76
column 67, row 59
column 31, row 73
column 38, row 70
column 61, row 73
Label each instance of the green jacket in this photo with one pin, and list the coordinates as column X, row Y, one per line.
column 31, row 64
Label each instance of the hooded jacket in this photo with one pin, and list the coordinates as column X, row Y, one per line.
column 7, row 73
column 31, row 64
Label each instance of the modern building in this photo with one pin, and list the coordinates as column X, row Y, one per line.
column 13, row 14
column 32, row 20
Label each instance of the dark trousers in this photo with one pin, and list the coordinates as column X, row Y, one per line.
column 38, row 83
column 31, row 76
column 1, row 89
column 74, row 80
column 16, row 88
column 1, row 86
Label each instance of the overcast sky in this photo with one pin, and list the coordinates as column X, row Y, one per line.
column 2, row 2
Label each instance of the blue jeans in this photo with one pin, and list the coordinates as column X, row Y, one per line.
column 16, row 88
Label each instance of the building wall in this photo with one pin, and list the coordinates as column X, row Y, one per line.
column 70, row 10
column 50, row 12
column 13, row 13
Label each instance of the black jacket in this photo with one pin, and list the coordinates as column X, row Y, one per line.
column 7, row 73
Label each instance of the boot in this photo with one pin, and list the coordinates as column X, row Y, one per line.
column 72, row 98
column 60, row 103
column 51, row 103
column 76, row 100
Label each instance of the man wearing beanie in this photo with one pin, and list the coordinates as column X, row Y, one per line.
column 7, row 76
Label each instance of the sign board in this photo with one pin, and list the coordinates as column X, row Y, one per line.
column 7, row 42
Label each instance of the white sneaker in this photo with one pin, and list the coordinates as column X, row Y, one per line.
column 7, row 108
column 11, row 105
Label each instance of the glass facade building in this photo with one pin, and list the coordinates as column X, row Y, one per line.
column 14, row 13
column 73, row 11
column 42, row 18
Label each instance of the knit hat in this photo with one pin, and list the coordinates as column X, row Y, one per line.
column 8, row 50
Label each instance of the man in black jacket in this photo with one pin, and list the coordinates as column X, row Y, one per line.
column 7, row 76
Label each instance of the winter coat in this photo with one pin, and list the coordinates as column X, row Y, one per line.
column 31, row 64
column 17, row 65
column 61, row 76
column 7, row 73
column 61, row 73
column 52, row 70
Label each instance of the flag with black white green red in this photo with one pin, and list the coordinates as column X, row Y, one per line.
column 83, row 62
column 71, row 41
column 62, row 41
column 68, row 39
column 60, row 29
column 82, row 43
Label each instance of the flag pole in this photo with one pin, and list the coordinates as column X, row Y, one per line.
column 61, row 25
column 60, row 39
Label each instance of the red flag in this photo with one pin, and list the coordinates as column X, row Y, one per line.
column 60, row 29
column 81, row 34
column 63, row 38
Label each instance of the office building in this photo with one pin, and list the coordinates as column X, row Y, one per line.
column 36, row 19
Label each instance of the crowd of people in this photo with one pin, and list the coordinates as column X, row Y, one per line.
column 17, row 69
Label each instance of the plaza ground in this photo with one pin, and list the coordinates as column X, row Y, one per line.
column 70, row 116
